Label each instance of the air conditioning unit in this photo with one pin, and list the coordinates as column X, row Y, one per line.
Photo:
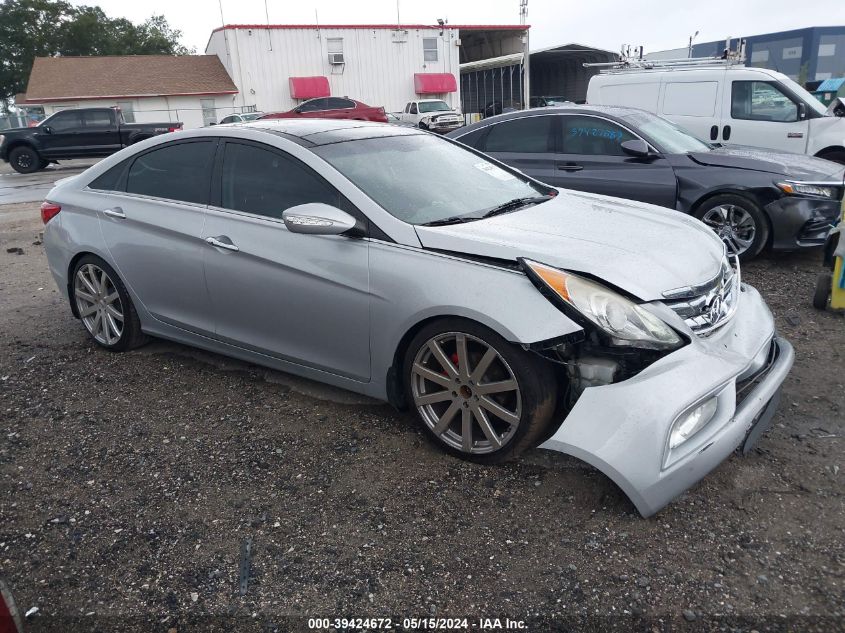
column 336, row 59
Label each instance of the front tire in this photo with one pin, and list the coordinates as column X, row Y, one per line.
column 476, row 395
column 821, row 296
column 104, row 305
column 738, row 221
column 25, row 160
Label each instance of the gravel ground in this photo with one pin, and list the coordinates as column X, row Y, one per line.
column 129, row 484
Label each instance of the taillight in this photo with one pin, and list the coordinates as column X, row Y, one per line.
column 173, row 129
column 49, row 210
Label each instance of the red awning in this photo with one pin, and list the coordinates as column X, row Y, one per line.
column 434, row 83
column 309, row 87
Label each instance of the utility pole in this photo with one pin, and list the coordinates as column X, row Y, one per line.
column 526, row 56
column 689, row 48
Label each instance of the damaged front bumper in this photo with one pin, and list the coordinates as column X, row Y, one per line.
column 801, row 222
column 623, row 428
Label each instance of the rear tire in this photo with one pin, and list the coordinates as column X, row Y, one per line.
column 476, row 395
column 738, row 221
column 821, row 296
column 25, row 160
column 104, row 305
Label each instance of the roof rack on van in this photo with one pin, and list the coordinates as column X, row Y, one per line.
column 633, row 60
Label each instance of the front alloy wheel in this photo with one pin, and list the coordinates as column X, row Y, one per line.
column 477, row 395
column 738, row 222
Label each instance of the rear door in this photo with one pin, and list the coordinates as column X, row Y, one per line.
column 100, row 133
column 763, row 114
column 151, row 215
column 590, row 158
column 695, row 105
column 526, row 143
column 300, row 298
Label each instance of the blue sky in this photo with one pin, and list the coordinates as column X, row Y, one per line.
column 656, row 24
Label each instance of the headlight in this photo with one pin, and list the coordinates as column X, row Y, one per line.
column 808, row 189
column 691, row 422
column 625, row 322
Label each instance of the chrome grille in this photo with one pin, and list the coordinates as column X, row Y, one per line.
column 707, row 307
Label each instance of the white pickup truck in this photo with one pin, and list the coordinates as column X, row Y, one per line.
column 432, row 114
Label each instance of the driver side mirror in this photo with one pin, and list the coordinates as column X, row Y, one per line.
column 47, row 129
column 316, row 218
column 636, row 147
column 802, row 111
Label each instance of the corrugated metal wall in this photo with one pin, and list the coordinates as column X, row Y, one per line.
column 379, row 67
column 481, row 87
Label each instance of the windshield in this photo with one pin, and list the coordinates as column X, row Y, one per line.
column 665, row 135
column 806, row 97
column 433, row 106
column 421, row 178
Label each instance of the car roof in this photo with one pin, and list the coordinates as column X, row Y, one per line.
column 313, row 132
column 613, row 112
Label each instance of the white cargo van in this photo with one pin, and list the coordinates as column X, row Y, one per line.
column 727, row 103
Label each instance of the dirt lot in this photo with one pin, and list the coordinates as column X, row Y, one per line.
column 129, row 483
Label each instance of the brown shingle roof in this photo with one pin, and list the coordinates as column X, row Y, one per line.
column 61, row 78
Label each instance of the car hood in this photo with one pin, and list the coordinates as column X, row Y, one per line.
column 640, row 248
column 796, row 166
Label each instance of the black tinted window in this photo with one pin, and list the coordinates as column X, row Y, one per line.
column 335, row 103
column 473, row 138
column 64, row 121
column 110, row 181
column 529, row 135
column 97, row 118
column 267, row 182
column 176, row 172
column 761, row 101
column 313, row 105
column 593, row 136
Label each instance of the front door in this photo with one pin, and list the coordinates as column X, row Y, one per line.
column 761, row 114
column 151, row 220
column 590, row 158
column 300, row 298
column 65, row 134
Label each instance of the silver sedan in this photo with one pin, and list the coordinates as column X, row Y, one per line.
column 508, row 314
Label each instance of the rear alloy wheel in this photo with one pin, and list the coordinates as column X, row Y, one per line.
column 104, row 306
column 477, row 395
column 25, row 160
column 739, row 223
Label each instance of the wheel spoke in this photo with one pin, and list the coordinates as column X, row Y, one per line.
column 433, row 376
column 88, row 311
column 445, row 363
column 483, row 365
column 486, row 427
column 432, row 398
column 103, row 279
column 114, row 312
column 88, row 284
column 463, row 357
column 81, row 294
column 499, row 411
column 112, row 326
column 110, row 298
column 446, row 419
column 496, row 387
column 466, row 430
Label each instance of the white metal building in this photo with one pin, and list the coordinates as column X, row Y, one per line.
column 275, row 67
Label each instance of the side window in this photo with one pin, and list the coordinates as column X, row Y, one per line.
column 313, row 105
column 592, row 136
column 229, row 119
column 413, row 108
column 178, row 171
column 473, row 138
column 110, row 180
column 532, row 134
column 266, row 182
column 64, row 121
column 97, row 118
column 407, row 108
column 761, row 101
column 336, row 103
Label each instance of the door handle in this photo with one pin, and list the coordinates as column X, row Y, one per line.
column 569, row 167
column 215, row 241
column 714, row 132
column 115, row 212
column 726, row 133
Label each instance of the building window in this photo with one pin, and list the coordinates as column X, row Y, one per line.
column 827, row 50
column 128, row 109
column 430, row 49
column 209, row 114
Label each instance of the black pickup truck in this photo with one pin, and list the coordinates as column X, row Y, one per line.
column 77, row 133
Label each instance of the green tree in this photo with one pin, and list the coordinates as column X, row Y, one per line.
column 47, row 28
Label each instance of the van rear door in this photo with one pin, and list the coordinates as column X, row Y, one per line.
column 761, row 112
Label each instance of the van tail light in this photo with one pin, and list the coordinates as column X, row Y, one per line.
column 49, row 210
